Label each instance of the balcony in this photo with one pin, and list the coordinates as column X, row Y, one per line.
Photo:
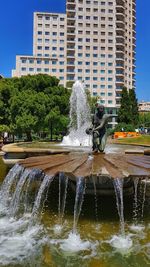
column 71, row 63
column 70, row 47
column 70, row 32
column 120, row 2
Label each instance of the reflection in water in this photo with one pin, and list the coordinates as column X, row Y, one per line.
column 43, row 242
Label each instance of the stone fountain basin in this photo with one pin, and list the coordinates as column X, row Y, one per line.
column 100, row 168
column 14, row 152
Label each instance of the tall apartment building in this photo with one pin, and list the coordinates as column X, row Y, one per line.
column 93, row 42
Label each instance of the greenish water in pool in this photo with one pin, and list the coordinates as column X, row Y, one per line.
column 45, row 242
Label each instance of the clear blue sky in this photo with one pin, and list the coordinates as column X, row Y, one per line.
column 16, row 20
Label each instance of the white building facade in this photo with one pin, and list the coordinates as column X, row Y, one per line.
column 93, row 42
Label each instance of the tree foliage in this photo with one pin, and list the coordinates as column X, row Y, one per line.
column 128, row 112
column 124, row 114
column 29, row 103
column 134, row 107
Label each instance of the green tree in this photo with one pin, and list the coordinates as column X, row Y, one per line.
column 144, row 119
column 124, row 114
column 26, row 102
column 134, row 107
column 28, row 110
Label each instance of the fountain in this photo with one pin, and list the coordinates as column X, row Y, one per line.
column 80, row 118
column 30, row 184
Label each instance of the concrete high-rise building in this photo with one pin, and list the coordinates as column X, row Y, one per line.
column 93, row 42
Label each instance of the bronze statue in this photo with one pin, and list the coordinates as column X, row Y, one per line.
column 98, row 129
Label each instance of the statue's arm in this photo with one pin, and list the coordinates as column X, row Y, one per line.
column 103, row 123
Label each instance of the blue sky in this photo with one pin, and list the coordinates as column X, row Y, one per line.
column 16, row 24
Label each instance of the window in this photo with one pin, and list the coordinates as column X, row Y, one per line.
column 39, row 61
column 39, row 47
column 46, row 70
column 102, row 94
column 94, row 93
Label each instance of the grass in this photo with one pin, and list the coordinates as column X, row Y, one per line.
column 141, row 140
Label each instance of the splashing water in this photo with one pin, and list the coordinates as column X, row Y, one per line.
column 18, row 241
column 118, row 186
column 135, row 204
column 122, row 244
column 79, row 117
column 80, row 190
column 74, row 244
column 63, row 184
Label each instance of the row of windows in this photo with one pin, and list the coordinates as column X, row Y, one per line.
column 40, row 69
column 48, row 48
column 94, row 55
column 101, row 48
column 40, row 25
column 95, row 18
column 96, row 71
column 40, row 61
column 96, row 2
column 103, row 101
column 48, row 17
column 95, row 86
column 48, row 55
column 54, row 41
column 97, row 63
column 95, row 79
column 102, row 94
column 52, row 33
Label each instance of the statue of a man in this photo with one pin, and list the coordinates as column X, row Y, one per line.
column 98, row 129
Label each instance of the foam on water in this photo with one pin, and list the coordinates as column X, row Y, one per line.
column 17, row 241
column 136, row 228
column 74, row 244
column 57, row 229
column 122, row 244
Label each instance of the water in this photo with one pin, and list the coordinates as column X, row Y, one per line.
column 80, row 118
column 118, row 186
column 80, row 191
column 45, row 243
column 63, row 184
column 135, row 204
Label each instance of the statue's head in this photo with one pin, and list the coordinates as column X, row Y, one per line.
column 100, row 110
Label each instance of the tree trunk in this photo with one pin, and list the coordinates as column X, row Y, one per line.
column 29, row 136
